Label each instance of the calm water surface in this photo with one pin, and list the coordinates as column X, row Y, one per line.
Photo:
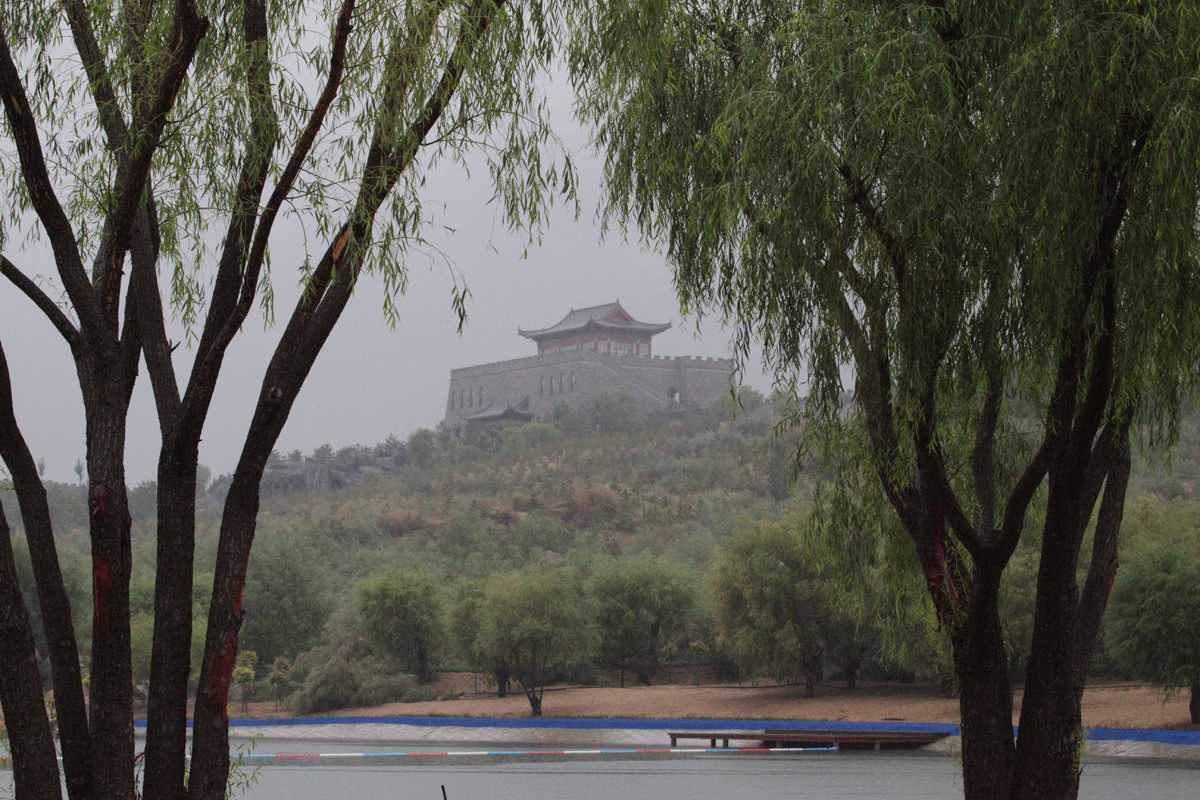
column 797, row 776
column 692, row 777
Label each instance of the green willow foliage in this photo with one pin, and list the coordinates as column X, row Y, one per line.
column 1154, row 616
column 741, row 135
column 773, row 608
column 840, row 186
column 986, row 212
column 159, row 130
column 498, row 110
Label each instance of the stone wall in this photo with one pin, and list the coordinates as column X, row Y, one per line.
column 658, row 383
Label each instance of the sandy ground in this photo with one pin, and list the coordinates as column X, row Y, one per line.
column 1104, row 705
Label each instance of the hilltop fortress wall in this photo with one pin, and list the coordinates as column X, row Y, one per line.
column 574, row 378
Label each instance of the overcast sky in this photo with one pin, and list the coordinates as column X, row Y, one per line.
column 372, row 380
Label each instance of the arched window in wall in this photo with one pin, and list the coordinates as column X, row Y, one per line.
column 542, row 389
column 462, row 398
column 560, row 382
column 572, row 381
column 480, row 395
column 452, row 400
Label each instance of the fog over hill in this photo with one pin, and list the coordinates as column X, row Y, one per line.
column 373, row 380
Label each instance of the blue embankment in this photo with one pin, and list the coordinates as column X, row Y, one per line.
column 586, row 723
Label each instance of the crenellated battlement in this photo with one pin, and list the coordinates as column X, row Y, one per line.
column 700, row 362
column 590, row 350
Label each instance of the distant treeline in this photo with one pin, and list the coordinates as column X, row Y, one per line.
column 589, row 548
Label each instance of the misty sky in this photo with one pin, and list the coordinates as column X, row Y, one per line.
column 371, row 380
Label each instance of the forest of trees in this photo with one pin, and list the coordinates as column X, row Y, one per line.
column 553, row 552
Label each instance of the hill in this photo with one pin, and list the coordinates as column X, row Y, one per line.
column 577, row 496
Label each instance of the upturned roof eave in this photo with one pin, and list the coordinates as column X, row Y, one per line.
column 554, row 332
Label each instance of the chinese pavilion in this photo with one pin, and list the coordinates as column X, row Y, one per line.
column 606, row 329
column 588, row 351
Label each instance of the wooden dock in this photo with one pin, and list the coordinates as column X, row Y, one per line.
column 814, row 737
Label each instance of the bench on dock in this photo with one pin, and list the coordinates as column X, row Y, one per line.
column 812, row 737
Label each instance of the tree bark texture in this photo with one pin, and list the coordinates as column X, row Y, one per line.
column 111, row 687
column 210, row 729
column 170, row 665
column 312, row 321
column 965, row 595
column 52, row 597
column 1066, row 624
column 501, row 674
column 106, row 354
column 35, row 763
column 985, row 695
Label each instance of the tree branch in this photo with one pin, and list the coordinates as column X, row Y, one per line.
column 45, row 203
column 1100, row 377
column 52, row 597
column 31, row 290
column 134, row 171
column 860, row 197
column 99, row 80
column 226, row 317
column 983, row 452
column 226, row 311
column 983, row 463
column 1114, row 452
column 287, row 179
column 156, row 347
column 932, row 463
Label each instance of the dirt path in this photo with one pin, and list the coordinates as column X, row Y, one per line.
column 1104, row 705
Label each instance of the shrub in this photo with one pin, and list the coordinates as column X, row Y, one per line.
column 614, row 410
column 400, row 615
column 345, row 674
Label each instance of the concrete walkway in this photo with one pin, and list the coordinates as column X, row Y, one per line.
column 1103, row 743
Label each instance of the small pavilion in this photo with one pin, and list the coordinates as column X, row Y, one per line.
column 499, row 411
column 606, row 329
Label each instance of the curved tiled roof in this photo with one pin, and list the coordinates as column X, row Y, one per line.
column 496, row 411
column 610, row 317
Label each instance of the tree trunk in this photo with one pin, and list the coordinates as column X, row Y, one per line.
column 810, row 685
column 111, row 677
column 294, row 356
column 170, row 663
column 1194, row 704
column 535, row 702
column 501, row 673
column 424, row 673
column 1066, row 622
column 317, row 312
column 1051, row 736
column 210, row 728
column 852, row 675
column 35, row 765
column 985, row 697
column 52, row 598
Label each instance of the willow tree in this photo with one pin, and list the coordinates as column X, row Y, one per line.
column 172, row 139
column 987, row 214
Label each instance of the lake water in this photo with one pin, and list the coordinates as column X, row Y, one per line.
column 698, row 776
column 814, row 775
